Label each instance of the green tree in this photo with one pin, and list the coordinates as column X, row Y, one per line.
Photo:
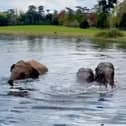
column 32, row 16
column 102, row 20
column 61, row 17
column 123, row 21
column 79, row 14
column 84, row 24
column 12, row 16
column 22, row 18
column 105, row 6
column 41, row 14
column 104, row 11
column 3, row 19
column 121, row 14
column 41, row 10
column 69, row 18
column 55, row 18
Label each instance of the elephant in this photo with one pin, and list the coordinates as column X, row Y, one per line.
column 104, row 74
column 85, row 75
column 26, row 69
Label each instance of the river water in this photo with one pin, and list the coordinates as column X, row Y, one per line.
column 56, row 98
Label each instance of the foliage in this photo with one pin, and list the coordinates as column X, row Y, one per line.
column 79, row 15
column 92, row 19
column 102, row 20
column 103, row 12
column 55, row 18
column 112, row 33
column 113, row 21
column 11, row 16
column 39, row 16
column 40, row 30
column 55, row 21
column 74, row 23
column 106, row 5
column 121, row 8
column 123, row 21
column 69, row 18
column 106, row 14
column 84, row 24
column 3, row 19
column 122, row 14
column 61, row 17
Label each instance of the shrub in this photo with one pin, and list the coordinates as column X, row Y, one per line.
column 75, row 23
column 3, row 20
column 55, row 21
column 84, row 24
column 123, row 21
column 112, row 33
column 102, row 20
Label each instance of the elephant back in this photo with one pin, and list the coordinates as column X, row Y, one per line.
column 41, row 68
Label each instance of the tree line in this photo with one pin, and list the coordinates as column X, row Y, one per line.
column 105, row 14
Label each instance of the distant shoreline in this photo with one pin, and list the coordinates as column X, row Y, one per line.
column 56, row 31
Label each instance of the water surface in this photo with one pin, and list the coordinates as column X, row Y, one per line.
column 57, row 99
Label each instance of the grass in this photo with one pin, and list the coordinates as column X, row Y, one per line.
column 112, row 33
column 40, row 30
column 47, row 30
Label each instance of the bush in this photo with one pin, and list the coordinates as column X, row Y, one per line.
column 123, row 21
column 55, row 21
column 75, row 23
column 102, row 20
column 3, row 20
column 112, row 33
column 84, row 24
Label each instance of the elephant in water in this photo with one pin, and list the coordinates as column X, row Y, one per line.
column 104, row 74
column 85, row 75
column 26, row 69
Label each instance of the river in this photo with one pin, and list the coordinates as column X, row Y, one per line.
column 56, row 98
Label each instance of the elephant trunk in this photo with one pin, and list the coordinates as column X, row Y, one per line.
column 10, row 82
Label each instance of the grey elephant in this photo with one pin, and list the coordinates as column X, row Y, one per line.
column 26, row 69
column 104, row 74
column 85, row 75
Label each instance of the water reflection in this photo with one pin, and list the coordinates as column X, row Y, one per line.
column 57, row 99
column 103, row 44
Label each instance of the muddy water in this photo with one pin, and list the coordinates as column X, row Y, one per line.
column 57, row 99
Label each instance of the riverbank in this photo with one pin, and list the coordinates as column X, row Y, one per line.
column 46, row 30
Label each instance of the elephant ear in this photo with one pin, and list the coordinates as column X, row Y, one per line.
column 34, row 73
column 12, row 67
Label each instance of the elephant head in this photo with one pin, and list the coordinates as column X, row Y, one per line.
column 85, row 75
column 22, row 70
column 104, row 74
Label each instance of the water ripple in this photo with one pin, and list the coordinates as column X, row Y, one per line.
column 57, row 99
